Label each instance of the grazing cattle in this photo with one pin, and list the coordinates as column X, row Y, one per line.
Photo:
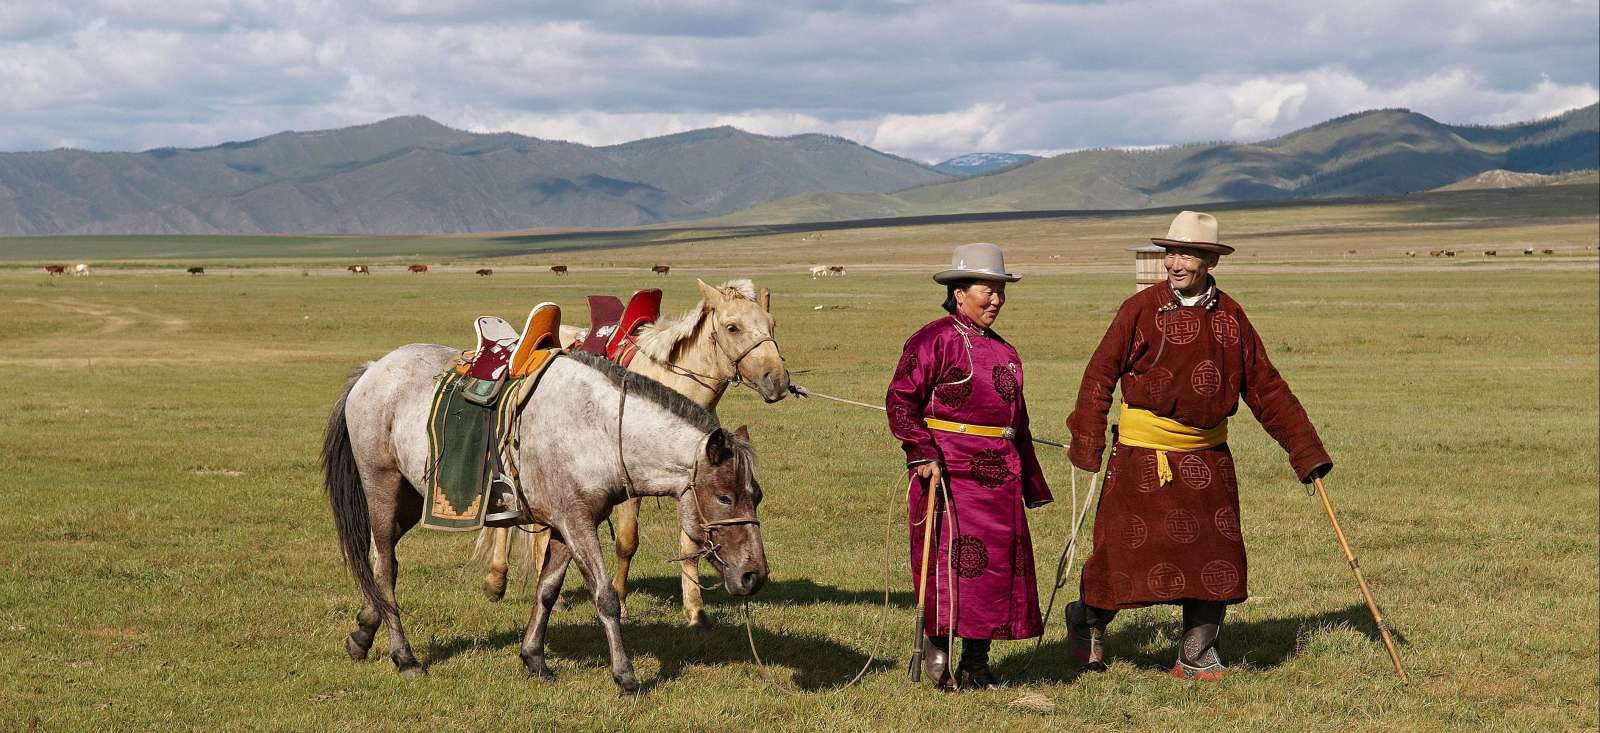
column 485, row 272
column 197, row 271
column 1527, row 250
column 80, row 269
column 1549, row 251
column 662, row 269
column 1435, row 253
column 1055, row 257
column 1349, row 251
column 418, row 268
column 835, row 269
column 54, row 269
column 1491, row 252
column 359, row 269
column 819, row 271
column 559, row 269
column 1410, row 253
column 1449, row 253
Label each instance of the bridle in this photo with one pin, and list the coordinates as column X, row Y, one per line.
column 707, row 540
column 715, row 384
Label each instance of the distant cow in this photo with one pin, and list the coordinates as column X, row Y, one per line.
column 418, row 268
column 1527, row 250
column 1435, row 253
column 835, row 269
column 1410, row 253
column 54, row 269
column 485, row 272
column 1491, row 252
column 559, row 269
column 1449, row 253
column 1549, row 251
column 662, row 269
column 359, row 269
column 1349, row 251
column 197, row 271
column 80, row 269
column 819, row 271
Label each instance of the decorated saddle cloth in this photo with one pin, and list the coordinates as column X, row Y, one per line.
column 469, row 439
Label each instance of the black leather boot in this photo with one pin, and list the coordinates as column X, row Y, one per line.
column 974, row 672
column 1198, row 658
column 1086, row 630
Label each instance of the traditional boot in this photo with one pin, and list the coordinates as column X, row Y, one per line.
column 1197, row 653
column 974, row 673
column 936, row 662
column 1086, row 630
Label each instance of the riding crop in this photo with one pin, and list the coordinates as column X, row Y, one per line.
column 922, row 584
column 1377, row 616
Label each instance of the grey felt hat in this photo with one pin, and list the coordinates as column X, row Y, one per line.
column 978, row 261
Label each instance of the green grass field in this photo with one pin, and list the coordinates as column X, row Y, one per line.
column 170, row 561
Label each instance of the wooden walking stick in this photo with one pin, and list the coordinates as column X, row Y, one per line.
column 922, row 583
column 1377, row 616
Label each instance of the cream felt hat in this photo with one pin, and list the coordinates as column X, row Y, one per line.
column 978, row 261
column 1196, row 230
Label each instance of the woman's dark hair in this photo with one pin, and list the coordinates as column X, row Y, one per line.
column 950, row 289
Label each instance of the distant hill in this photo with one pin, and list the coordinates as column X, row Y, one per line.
column 977, row 164
column 414, row 175
column 1380, row 152
column 1510, row 179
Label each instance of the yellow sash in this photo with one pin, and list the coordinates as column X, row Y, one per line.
column 1145, row 429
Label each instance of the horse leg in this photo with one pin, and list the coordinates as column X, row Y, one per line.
column 554, row 571
column 625, row 519
column 585, row 547
column 494, row 584
column 694, row 607
column 392, row 516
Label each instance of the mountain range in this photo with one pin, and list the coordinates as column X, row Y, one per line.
column 414, row 175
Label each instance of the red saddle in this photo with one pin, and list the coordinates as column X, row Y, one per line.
column 611, row 324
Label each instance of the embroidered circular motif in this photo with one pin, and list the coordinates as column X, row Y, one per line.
column 1225, row 467
column 1206, row 379
column 1122, row 585
column 1005, row 383
column 1021, row 557
column 1166, row 580
column 1181, row 326
column 971, row 556
column 1149, row 477
column 953, row 391
column 989, row 468
column 1225, row 328
column 900, row 419
column 1182, row 527
column 1134, row 531
column 908, row 364
column 1195, row 472
column 1220, row 578
column 1156, row 382
column 1227, row 524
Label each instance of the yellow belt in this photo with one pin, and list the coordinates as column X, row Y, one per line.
column 965, row 429
column 1145, row 429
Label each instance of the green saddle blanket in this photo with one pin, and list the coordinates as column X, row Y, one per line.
column 466, row 439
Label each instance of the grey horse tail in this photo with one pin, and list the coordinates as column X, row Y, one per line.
column 349, row 500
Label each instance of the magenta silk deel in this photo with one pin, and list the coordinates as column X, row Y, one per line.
column 952, row 369
column 1165, row 543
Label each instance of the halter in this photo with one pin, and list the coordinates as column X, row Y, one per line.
column 706, row 380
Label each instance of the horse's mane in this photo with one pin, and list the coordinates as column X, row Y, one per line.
column 659, row 340
column 641, row 386
column 672, row 401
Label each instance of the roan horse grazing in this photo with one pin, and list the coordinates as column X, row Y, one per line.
column 592, row 436
column 725, row 338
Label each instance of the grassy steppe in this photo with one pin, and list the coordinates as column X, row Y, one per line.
column 170, row 563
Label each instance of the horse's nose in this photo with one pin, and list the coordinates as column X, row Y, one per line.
column 751, row 581
column 775, row 387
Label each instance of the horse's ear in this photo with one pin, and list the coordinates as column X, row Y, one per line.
column 711, row 295
column 743, row 431
column 765, row 299
column 717, row 447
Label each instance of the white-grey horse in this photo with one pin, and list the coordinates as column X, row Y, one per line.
column 592, row 435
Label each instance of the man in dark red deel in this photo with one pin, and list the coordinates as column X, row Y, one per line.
column 1167, row 528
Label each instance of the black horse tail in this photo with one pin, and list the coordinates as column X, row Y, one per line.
column 349, row 500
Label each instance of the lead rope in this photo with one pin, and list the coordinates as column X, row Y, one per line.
column 1069, row 555
column 872, row 655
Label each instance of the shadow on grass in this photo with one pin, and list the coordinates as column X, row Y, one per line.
column 795, row 592
column 1258, row 643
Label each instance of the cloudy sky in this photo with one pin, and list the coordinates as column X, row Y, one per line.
column 926, row 80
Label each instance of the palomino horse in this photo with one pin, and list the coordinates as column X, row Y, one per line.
column 593, row 435
column 725, row 338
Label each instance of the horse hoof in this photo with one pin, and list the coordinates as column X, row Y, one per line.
column 627, row 687
column 492, row 593
column 699, row 619
column 356, row 650
column 413, row 671
column 537, row 670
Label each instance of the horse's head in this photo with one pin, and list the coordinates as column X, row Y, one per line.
column 719, row 511
column 741, row 327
